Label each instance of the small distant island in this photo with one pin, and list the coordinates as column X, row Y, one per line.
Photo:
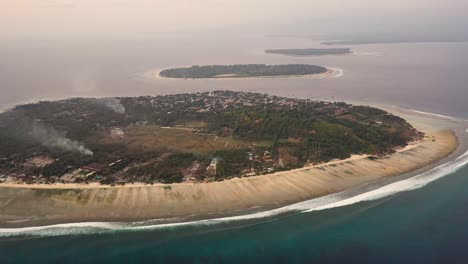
column 309, row 52
column 198, row 137
column 242, row 71
column 364, row 42
column 391, row 41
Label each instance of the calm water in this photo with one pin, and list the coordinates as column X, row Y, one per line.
column 427, row 225
column 429, row 76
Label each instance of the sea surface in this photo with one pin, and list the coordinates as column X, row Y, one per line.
column 425, row 76
column 418, row 220
column 427, row 225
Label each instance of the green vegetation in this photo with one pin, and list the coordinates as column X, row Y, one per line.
column 241, row 71
column 309, row 52
column 168, row 170
column 187, row 137
column 232, row 162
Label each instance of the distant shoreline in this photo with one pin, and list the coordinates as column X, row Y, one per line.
column 134, row 203
column 376, row 42
column 309, row 52
column 329, row 74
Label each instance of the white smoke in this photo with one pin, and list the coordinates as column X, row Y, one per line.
column 113, row 104
column 51, row 138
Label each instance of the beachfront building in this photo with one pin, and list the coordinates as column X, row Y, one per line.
column 212, row 169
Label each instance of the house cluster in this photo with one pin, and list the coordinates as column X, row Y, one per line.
column 218, row 100
column 91, row 170
column 260, row 163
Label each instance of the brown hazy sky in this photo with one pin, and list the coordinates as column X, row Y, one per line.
column 59, row 17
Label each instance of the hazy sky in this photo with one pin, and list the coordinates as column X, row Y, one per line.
column 63, row 17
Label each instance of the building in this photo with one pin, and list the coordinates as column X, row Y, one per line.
column 212, row 169
column 94, row 167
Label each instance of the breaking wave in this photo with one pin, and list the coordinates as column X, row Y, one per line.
column 432, row 114
column 341, row 199
column 327, row 202
column 409, row 184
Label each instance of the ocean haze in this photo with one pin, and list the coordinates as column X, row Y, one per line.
column 425, row 76
column 62, row 48
column 332, row 19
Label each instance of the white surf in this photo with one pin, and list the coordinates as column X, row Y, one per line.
column 322, row 203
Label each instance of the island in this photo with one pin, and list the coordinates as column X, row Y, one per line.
column 392, row 41
column 198, row 137
column 187, row 157
column 242, row 71
column 366, row 42
column 309, row 52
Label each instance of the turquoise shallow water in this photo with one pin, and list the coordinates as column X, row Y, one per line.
column 427, row 225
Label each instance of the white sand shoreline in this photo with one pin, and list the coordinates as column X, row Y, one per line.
column 28, row 205
column 96, row 185
column 30, row 226
column 206, row 200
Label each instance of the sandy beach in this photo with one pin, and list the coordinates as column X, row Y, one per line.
column 30, row 205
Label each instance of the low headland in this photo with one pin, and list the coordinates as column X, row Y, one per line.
column 42, row 203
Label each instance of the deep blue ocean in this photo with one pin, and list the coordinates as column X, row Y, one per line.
column 427, row 225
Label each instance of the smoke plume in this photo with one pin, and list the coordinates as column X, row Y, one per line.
column 51, row 138
column 113, row 104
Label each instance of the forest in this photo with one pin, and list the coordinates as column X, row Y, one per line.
column 241, row 71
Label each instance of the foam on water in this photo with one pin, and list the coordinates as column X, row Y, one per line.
column 432, row 114
column 322, row 203
column 326, row 202
column 413, row 183
column 338, row 72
